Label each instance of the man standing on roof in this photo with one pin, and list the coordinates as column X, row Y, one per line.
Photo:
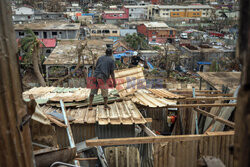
column 104, row 69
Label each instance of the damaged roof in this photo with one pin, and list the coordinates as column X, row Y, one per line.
column 124, row 112
column 65, row 53
column 131, row 83
column 217, row 79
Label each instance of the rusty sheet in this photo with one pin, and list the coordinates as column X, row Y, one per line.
column 124, row 112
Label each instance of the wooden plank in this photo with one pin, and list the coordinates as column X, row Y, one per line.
column 86, row 159
column 55, row 121
column 190, row 90
column 216, row 118
column 209, row 95
column 154, row 139
column 148, row 131
column 201, row 105
column 207, row 98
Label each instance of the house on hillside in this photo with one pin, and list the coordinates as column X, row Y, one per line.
column 163, row 12
column 64, row 59
column 157, row 32
column 104, row 31
column 23, row 14
column 137, row 12
column 44, row 30
column 115, row 16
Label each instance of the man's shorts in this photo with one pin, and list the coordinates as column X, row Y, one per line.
column 100, row 84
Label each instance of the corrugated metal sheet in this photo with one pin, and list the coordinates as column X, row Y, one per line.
column 44, row 94
column 132, row 82
column 148, row 99
column 165, row 93
column 115, row 131
column 186, row 153
column 81, row 132
column 124, row 112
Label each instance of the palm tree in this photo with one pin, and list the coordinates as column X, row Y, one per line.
column 30, row 44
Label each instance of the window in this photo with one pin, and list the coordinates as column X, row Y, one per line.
column 153, row 40
column 177, row 9
column 114, row 32
column 204, row 13
column 21, row 33
column 99, row 31
column 153, row 33
column 28, row 17
column 54, row 33
column 197, row 9
column 166, row 13
column 60, row 32
column 173, row 13
column 193, row 9
column 48, row 51
column 121, row 15
column 194, row 14
column 130, row 15
column 105, row 31
column 132, row 9
column 115, row 15
column 173, row 9
column 177, row 13
column 93, row 31
column 36, row 33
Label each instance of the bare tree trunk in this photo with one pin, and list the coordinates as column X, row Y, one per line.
column 242, row 115
column 15, row 144
column 79, row 64
column 35, row 62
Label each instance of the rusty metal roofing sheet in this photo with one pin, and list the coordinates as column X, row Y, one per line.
column 148, row 99
column 129, row 80
column 165, row 93
column 124, row 112
column 44, row 94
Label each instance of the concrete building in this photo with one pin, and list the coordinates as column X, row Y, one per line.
column 45, row 30
column 176, row 11
column 137, row 12
column 157, row 32
column 115, row 16
column 23, row 14
column 103, row 31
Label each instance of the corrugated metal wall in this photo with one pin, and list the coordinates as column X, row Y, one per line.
column 115, row 131
column 80, row 132
column 186, row 153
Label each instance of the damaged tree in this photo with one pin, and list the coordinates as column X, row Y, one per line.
column 80, row 63
column 30, row 44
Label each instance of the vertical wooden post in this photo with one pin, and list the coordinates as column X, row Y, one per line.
column 15, row 145
column 242, row 115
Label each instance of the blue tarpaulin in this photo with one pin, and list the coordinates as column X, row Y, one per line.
column 150, row 65
column 203, row 63
column 126, row 53
column 88, row 14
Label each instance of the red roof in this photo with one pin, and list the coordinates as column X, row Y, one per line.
column 49, row 43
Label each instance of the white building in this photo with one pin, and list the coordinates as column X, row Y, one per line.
column 137, row 12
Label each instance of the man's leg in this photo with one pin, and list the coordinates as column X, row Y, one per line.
column 105, row 98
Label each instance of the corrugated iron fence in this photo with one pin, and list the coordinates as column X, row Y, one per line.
column 186, row 153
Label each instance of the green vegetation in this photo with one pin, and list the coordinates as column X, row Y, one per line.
column 136, row 42
column 30, row 45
